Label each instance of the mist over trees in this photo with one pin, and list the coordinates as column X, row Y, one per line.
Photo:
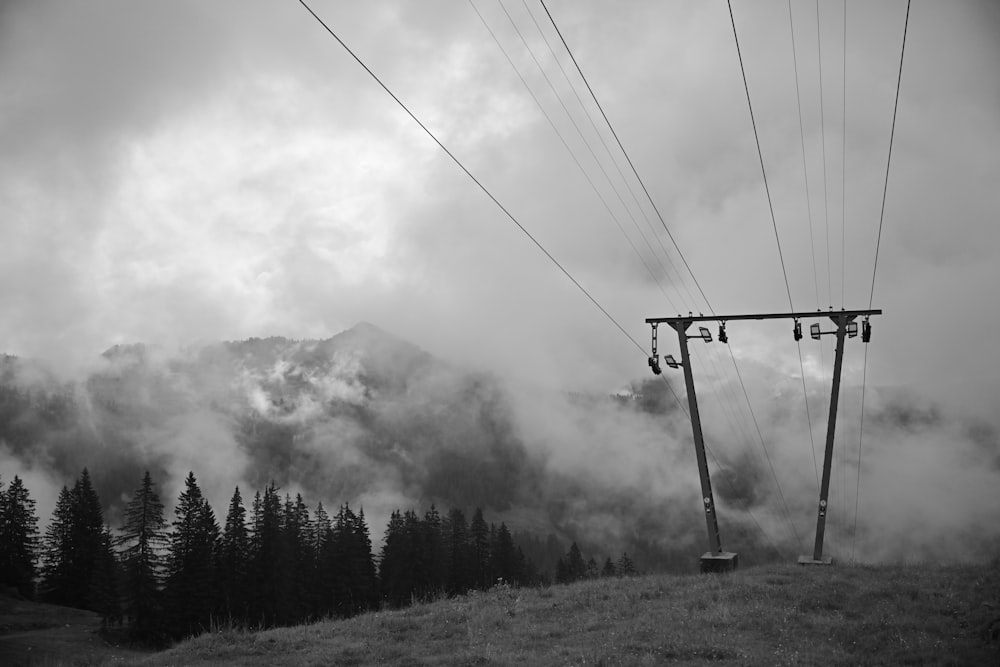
column 368, row 417
column 362, row 415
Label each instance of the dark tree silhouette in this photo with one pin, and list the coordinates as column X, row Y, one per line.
column 356, row 585
column 18, row 538
column 433, row 545
column 455, row 543
column 297, row 532
column 507, row 560
column 270, row 568
column 327, row 563
column 625, row 567
column 73, row 544
column 233, row 564
column 104, row 586
column 142, row 544
column 189, row 591
column 395, row 563
column 420, row 555
column 572, row 567
column 285, row 566
column 479, row 544
column 55, row 551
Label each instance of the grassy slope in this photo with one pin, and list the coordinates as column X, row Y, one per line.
column 792, row 615
column 34, row 633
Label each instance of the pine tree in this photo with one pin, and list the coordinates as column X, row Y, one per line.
column 505, row 562
column 18, row 538
column 326, row 564
column 609, row 568
column 625, row 567
column 73, row 544
column 87, row 535
column 142, row 543
column 437, row 575
column 576, row 568
column 257, row 569
column 355, row 579
column 55, row 552
column 457, row 552
column 190, row 586
column 234, row 563
column 104, row 596
column 479, row 533
column 394, row 562
column 419, row 559
column 362, row 563
column 270, row 569
column 297, row 531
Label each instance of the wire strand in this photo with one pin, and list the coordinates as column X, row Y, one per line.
column 822, row 132
column 769, row 463
column 760, row 155
column 843, row 177
column 607, row 149
column 727, row 405
column 861, row 440
column 812, row 239
column 892, row 134
column 482, row 187
column 627, row 157
column 774, row 224
column 575, row 159
column 802, row 139
column 871, row 296
column 718, row 468
column 593, row 95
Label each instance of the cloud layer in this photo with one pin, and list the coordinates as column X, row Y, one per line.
column 199, row 172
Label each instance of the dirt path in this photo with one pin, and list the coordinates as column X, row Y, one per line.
column 71, row 644
column 40, row 634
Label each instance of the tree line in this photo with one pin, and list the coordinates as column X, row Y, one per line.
column 572, row 567
column 272, row 563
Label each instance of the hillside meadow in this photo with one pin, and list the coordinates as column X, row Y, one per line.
column 774, row 615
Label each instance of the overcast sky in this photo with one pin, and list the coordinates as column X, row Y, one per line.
column 187, row 171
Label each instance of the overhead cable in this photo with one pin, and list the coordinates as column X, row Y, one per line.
column 575, row 159
column 774, row 224
column 878, row 241
column 822, row 133
column 687, row 266
column 802, row 142
column 629, row 159
column 482, row 187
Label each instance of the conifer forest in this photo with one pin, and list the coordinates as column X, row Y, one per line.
column 271, row 561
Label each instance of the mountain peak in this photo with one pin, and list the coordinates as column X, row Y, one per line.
column 366, row 328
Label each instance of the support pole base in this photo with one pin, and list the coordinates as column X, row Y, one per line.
column 725, row 561
column 809, row 560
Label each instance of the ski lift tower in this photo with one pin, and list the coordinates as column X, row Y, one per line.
column 716, row 559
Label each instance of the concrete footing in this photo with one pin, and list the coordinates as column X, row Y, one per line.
column 809, row 560
column 725, row 561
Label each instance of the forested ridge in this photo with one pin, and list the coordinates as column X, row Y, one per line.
column 270, row 562
column 363, row 416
